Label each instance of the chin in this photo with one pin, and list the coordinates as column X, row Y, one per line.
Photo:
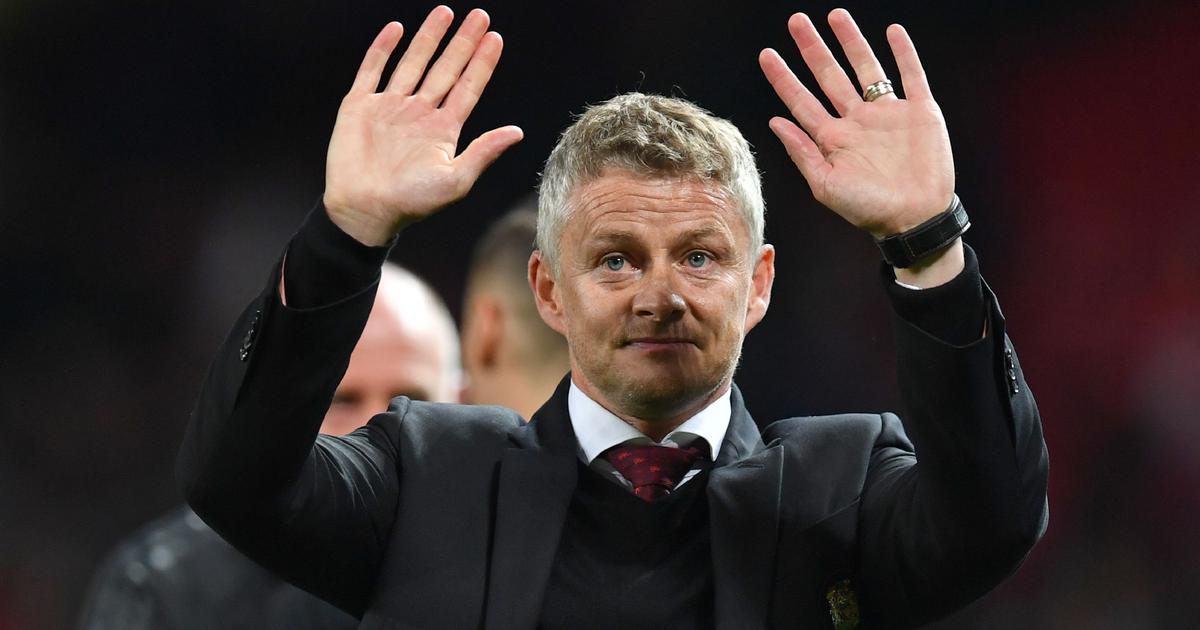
column 664, row 395
column 652, row 390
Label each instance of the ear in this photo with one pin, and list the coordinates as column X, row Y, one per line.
column 760, row 287
column 483, row 331
column 545, row 293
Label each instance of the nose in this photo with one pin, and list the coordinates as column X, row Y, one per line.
column 657, row 299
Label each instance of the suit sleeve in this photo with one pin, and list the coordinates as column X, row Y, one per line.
column 948, row 515
column 315, row 510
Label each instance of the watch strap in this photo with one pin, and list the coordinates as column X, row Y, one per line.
column 904, row 249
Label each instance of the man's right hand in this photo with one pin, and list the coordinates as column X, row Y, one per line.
column 392, row 154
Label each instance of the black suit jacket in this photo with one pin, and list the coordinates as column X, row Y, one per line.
column 448, row 516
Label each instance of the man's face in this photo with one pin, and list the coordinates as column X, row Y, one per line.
column 392, row 358
column 655, row 291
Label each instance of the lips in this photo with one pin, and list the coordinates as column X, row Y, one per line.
column 664, row 343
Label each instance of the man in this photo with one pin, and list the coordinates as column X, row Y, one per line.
column 511, row 357
column 178, row 573
column 641, row 495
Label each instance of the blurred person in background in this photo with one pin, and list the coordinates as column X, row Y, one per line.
column 178, row 573
column 511, row 357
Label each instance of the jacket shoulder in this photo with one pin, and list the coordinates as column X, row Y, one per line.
column 424, row 425
column 851, row 443
column 849, row 429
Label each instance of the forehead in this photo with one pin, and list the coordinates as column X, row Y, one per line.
column 406, row 335
column 393, row 348
column 622, row 201
column 390, row 359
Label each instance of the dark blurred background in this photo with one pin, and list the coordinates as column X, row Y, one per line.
column 155, row 157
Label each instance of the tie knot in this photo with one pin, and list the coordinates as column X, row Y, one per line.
column 654, row 470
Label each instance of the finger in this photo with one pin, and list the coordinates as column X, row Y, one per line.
column 825, row 68
column 912, row 74
column 449, row 66
column 858, row 51
column 420, row 50
column 803, row 151
column 483, row 151
column 800, row 102
column 367, row 79
column 474, row 79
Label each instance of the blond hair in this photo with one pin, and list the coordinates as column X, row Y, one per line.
column 653, row 136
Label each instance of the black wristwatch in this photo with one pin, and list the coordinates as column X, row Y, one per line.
column 904, row 249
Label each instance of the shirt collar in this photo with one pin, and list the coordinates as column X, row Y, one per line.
column 598, row 429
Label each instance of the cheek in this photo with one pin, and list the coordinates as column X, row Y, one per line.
column 590, row 312
column 721, row 306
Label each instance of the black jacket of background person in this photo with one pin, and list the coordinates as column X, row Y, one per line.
column 449, row 516
column 177, row 574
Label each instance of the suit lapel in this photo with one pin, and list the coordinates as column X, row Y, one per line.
column 536, row 480
column 743, row 504
column 538, row 475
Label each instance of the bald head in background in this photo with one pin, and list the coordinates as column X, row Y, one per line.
column 511, row 357
column 408, row 348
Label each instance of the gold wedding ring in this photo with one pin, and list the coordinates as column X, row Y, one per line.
column 877, row 89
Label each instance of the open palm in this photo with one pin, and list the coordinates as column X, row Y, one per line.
column 885, row 166
column 393, row 154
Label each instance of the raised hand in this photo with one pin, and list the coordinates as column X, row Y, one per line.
column 393, row 157
column 885, row 166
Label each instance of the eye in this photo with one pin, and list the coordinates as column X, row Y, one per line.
column 697, row 260
column 614, row 263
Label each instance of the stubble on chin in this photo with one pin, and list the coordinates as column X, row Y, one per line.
column 661, row 397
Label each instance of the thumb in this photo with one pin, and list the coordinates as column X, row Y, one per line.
column 484, row 150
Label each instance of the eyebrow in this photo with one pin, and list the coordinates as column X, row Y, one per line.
column 709, row 231
column 615, row 237
column 618, row 237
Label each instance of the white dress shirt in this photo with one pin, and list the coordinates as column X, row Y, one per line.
column 598, row 429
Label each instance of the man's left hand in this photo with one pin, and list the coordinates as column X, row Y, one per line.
column 885, row 166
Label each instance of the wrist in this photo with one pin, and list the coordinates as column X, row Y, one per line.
column 907, row 248
column 324, row 264
column 914, row 219
column 359, row 225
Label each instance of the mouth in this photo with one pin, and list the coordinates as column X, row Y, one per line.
column 660, row 343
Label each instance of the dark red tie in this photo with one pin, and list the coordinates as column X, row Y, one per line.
column 654, row 470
